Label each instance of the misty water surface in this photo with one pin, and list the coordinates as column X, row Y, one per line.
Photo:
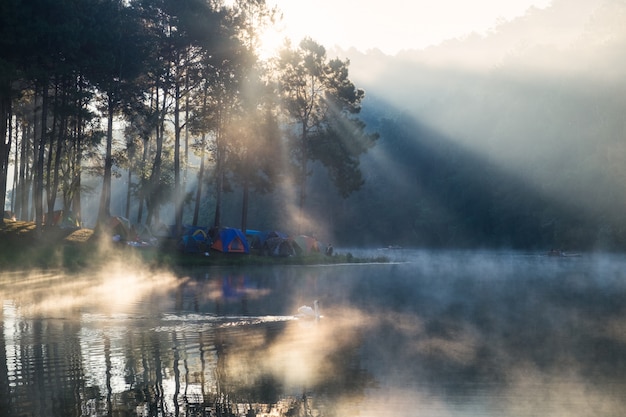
column 434, row 334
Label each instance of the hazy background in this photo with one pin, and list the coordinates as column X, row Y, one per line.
column 393, row 25
column 516, row 135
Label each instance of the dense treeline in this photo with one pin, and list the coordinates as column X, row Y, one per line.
column 172, row 95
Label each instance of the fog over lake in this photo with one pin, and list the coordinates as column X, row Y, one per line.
column 508, row 139
column 432, row 333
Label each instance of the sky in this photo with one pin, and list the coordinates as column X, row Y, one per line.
column 393, row 25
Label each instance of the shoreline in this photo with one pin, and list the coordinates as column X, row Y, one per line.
column 22, row 247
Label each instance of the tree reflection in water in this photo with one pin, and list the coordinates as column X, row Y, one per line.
column 447, row 334
column 164, row 351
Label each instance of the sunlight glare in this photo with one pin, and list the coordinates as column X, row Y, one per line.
column 302, row 355
column 121, row 288
column 271, row 40
column 395, row 25
column 117, row 287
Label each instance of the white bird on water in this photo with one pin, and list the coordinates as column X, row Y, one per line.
column 306, row 312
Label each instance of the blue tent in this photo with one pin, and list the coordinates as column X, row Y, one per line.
column 230, row 240
column 259, row 238
column 194, row 240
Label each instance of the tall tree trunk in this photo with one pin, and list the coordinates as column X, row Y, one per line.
column 155, row 176
column 244, row 205
column 14, row 197
column 220, row 154
column 186, row 124
column 178, row 203
column 24, row 184
column 196, row 211
column 57, row 159
column 105, row 198
column 77, row 171
column 34, row 148
column 303, row 178
column 219, row 186
column 218, row 200
column 55, row 173
column 143, row 181
column 48, row 183
column 5, row 145
column 41, row 152
column 130, row 179
column 76, row 181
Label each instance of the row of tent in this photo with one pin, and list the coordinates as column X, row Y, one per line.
column 199, row 239
column 196, row 239
column 231, row 240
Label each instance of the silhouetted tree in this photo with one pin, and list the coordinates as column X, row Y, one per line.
column 322, row 102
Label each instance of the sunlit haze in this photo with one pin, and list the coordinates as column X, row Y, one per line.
column 438, row 231
column 395, row 25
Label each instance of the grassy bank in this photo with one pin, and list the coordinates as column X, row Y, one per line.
column 22, row 246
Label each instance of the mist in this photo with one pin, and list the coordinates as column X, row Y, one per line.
column 436, row 333
column 539, row 101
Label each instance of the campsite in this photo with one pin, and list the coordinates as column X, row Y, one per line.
column 22, row 247
column 217, row 240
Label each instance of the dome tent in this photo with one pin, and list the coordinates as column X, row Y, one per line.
column 229, row 240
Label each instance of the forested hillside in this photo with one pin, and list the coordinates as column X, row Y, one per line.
column 423, row 189
column 513, row 139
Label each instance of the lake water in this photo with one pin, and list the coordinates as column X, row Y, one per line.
column 430, row 334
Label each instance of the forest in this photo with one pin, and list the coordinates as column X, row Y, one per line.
column 164, row 112
column 167, row 104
